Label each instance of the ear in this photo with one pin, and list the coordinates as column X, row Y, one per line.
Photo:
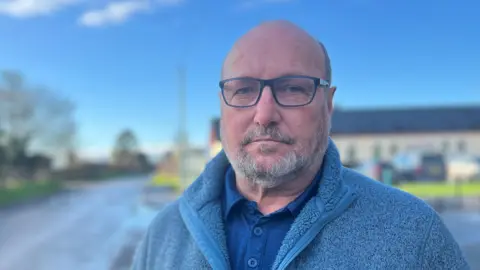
column 331, row 92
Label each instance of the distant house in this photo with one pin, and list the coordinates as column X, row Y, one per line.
column 369, row 133
column 362, row 134
column 215, row 145
column 194, row 162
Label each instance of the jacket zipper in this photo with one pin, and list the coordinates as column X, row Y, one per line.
column 307, row 238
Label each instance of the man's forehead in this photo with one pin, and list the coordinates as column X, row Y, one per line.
column 273, row 50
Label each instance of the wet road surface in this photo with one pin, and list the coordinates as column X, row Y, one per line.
column 465, row 227
column 77, row 229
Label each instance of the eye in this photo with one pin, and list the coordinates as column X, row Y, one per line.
column 244, row 90
column 294, row 89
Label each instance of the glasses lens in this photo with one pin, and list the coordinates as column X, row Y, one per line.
column 241, row 92
column 294, row 91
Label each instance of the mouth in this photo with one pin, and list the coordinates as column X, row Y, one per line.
column 266, row 140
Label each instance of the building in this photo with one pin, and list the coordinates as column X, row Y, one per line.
column 194, row 162
column 363, row 134
column 381, row 133
column 214, row 144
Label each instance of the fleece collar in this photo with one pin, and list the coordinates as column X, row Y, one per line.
column 201, row 209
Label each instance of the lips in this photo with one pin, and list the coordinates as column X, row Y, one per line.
column 265, row 140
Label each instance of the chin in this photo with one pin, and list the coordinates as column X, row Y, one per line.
column 267, row 161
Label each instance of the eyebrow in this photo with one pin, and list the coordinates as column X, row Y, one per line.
column 295, row 74
column 286, row 74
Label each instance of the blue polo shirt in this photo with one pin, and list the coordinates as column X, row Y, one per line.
column 253, row 240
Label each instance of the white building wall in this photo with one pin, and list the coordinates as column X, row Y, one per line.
column 364, row 145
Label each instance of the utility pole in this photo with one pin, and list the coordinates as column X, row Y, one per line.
column 182, row 139
column 182, row 126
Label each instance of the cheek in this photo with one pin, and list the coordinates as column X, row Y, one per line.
column 305, row 125
column 231, row 134
column 234, row 127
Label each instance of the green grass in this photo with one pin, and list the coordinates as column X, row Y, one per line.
column 27, row 191
column 167, row 180
column 441, row 189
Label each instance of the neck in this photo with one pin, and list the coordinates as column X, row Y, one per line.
column 270, row 200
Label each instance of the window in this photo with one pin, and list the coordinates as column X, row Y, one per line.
column 351, row 154
column 445, row 147
column 432, row 158
column 377, row 151
column 393, row 149
column 462, row 146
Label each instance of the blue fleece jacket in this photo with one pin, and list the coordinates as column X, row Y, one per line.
column 353, row 222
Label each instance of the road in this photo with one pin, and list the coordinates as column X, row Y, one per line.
column 78, row 229
column 465, row 227
column 95, row 227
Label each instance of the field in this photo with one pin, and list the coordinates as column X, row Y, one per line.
column 27, row 191
column 171, row 181
column 442, row 189
column 439, row 189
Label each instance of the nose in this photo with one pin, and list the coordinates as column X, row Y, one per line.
column 267, row 110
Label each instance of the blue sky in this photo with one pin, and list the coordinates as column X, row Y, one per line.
column 117, row 59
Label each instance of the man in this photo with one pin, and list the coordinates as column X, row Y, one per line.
column 277, row 196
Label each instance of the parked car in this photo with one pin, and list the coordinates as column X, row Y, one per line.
column 377, row 170
column 420, row 166
column 463, row 168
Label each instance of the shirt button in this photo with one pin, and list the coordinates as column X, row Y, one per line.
column 252, row 262
column 257, row 231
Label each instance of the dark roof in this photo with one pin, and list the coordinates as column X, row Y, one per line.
column 401, row 120
column 406, row 120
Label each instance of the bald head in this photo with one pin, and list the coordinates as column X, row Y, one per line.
column 277, row 48
column 291, row 109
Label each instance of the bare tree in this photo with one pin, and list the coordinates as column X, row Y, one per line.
column 34, row 118
column 53, row 124
column 125, row 149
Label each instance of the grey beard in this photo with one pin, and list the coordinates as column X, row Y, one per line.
column 286, row 169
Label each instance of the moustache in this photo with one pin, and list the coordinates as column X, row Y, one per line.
column 272, row 133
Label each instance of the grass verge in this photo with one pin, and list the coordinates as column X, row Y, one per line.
column 171, row 181
column 441, row 189
column 27, row 191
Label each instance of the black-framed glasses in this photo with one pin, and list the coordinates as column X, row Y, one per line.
column 288, row 91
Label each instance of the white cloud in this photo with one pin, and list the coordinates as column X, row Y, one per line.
column 118, row 12
column 113, row 13
column 30, row 8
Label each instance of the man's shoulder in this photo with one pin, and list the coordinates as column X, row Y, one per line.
column 377, row 197
column 166, row 226
column 405, row 220
column 390, row 228
column 168, row 219
column 167, row 242
column 169, row 215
